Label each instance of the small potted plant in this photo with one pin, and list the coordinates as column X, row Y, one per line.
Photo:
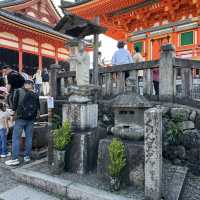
column 117, row 163
column 61, row 138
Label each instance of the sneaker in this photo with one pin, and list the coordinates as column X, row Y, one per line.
column 4, row 156
column 27, row 159
column 12, row 162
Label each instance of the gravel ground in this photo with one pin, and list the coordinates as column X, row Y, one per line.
column 91, row 180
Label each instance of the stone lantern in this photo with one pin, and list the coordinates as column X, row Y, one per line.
column 129, row 116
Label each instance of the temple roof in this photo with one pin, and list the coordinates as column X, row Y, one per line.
column 16, row 3
column 131, row 101
column 123, row 17
column 24, row 20
column 7, row 3
column 78, row 27
column 67, row 4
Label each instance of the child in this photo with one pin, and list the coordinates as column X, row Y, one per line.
column 4, row 116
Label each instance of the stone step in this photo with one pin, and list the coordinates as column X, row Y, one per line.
column 22, row 192
column 173, row 181
column 62, row 187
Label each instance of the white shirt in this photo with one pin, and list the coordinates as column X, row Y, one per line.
column 3, row 118
column 121, row 57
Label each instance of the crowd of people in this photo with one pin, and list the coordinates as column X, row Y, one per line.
column 19, row 107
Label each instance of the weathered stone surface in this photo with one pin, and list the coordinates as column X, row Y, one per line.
column 190, row 139
column 42, row 181
column 134, row 156
column 153, row 153
column 193, row 155
column 131, row 133
column 186, row 125
column 80, row 115
column 136, row 176
column 193, row 115
column 84, row 150
column 78, row 99
column 83, row 192
column 173, row 181
column 40, row 135
column 184, row 113
column 174, row 152
column 166, row 71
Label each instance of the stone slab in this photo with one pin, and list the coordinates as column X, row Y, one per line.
column 42, row 181
column 22, row 192
column 173, row 181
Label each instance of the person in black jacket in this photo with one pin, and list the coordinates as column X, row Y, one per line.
column 26, row 106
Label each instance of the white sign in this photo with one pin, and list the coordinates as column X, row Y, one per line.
column 50, row 102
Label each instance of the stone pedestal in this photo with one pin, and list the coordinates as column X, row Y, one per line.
column 81, row 115
column 84, row 150
column 153, row 154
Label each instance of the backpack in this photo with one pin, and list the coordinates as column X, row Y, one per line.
column 45, row 77
column 28, row 105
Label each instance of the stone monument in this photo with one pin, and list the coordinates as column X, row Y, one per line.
column 153, row 153
column 82, row 112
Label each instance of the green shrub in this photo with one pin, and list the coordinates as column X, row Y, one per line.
column 175, row 130
column 62, row 136
column 117, row 158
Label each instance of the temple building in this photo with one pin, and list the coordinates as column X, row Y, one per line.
column 27, row 37
column 147, row 24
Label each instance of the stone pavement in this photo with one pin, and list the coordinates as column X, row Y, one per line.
column 11, row 189
column 22, row 192
column 7, row 180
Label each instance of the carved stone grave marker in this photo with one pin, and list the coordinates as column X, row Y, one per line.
column 153, row 153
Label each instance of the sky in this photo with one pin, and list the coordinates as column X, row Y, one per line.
column 108, row 45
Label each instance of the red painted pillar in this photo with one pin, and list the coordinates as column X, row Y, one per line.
column 56, row 55
column 20, row 55
column 40, row 56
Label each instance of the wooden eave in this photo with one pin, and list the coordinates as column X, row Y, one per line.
column 57, row 35
column 28, row 3
column 99, row 7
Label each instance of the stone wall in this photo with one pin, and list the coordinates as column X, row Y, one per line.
column 186, row 150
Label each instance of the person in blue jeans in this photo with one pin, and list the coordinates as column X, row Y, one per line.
column 26, row 107
column 4, row 116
